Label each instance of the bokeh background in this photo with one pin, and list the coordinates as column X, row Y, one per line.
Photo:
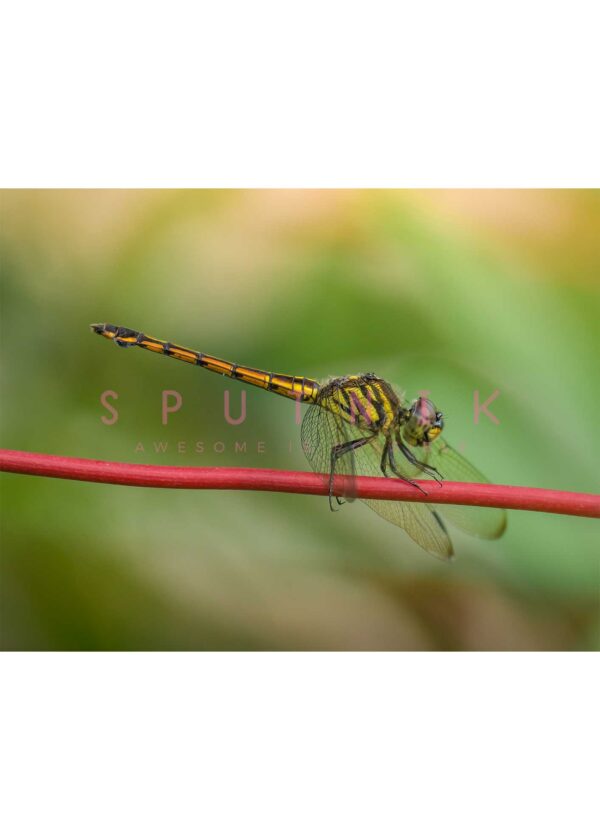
column 448, row 291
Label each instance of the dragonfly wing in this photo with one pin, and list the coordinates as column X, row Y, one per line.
column 420, row 521
column 322, row 429
column 488, row 523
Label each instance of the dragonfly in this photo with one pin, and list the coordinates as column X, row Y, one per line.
column 360, row 425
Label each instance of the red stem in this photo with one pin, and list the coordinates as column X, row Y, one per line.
column 226, row 478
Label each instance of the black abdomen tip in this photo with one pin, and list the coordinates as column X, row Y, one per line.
column 122, row 334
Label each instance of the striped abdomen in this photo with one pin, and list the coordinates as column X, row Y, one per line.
column 293, row 387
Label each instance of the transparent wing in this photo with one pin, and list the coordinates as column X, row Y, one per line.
column 488, row 523
column 419, row 520
column 322, row 429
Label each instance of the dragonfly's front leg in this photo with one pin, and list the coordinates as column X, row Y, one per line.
column 430, row 471
column 393, row 466
column 337, row 452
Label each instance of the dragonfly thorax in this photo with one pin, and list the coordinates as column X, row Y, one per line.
column 364, row 400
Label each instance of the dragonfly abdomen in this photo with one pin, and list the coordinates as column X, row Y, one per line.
column 293, row 387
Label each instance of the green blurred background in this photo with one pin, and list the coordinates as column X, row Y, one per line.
column 448, row 291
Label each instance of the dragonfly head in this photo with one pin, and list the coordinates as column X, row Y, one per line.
column 423, row 422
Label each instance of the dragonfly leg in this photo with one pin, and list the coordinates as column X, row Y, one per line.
column 338, row 452
column 430, row 471
column 394, row 467
column 384, row 457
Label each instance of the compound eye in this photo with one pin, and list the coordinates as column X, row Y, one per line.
column 425, row 410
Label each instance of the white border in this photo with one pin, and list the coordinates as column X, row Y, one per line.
column 297, row 746
column 325, row 94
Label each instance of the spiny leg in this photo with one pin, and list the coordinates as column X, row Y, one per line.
column 385, row 456
column 430, row 471
column 338, row 452
column 393, row 466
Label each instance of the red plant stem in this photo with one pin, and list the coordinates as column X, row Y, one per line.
column 226, row 478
